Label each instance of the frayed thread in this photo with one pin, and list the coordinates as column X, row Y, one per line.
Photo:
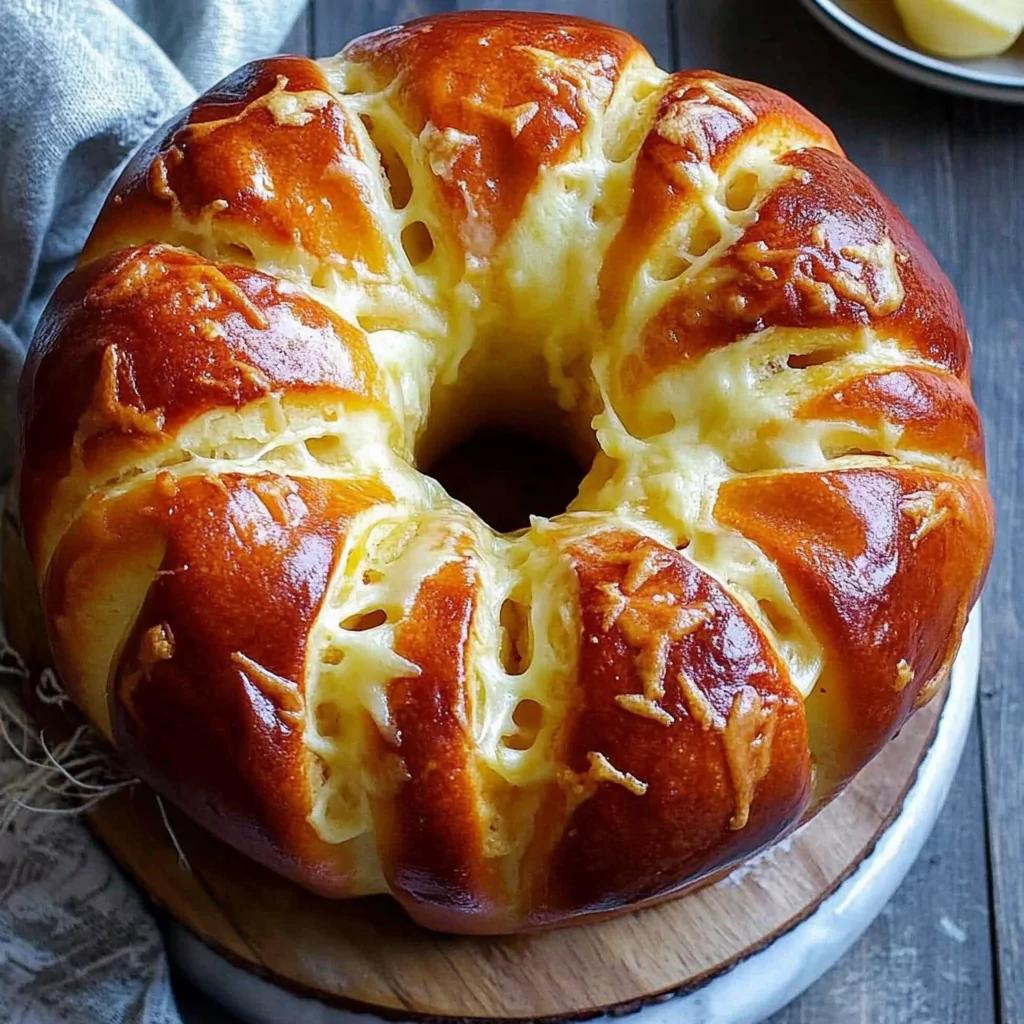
column 68, row 778
column 172, row 835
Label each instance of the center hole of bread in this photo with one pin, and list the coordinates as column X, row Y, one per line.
column 506, row 477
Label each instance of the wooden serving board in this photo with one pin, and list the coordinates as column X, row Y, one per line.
column 365, row 954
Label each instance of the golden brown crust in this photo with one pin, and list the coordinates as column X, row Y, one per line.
column 111, row 551
column 702, row 120
column 135, row 345
column 430, row 829
column 933, row 410
column 504, row 732
column 885, row 563
column 827, row 250
column 208, row 702
column 266, row 153
column 489, row 78
column 682, row 702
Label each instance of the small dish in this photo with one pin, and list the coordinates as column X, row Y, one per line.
column 873, row 29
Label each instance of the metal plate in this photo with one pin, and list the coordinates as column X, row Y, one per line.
column 873, row 29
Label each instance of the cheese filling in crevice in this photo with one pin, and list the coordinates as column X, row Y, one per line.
column 389, row 550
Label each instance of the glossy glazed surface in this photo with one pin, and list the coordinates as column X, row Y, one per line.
column 517, row 222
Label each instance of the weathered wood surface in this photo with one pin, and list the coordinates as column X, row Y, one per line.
column 988, row 161
column 948, row 946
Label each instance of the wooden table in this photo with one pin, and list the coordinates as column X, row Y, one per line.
column 948, row 946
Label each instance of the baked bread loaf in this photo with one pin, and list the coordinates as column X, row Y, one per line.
column 324, row 274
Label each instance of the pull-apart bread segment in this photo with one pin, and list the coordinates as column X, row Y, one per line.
column 321, row 275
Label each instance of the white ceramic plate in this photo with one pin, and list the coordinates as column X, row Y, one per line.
column 757, row 986
column 873, row 29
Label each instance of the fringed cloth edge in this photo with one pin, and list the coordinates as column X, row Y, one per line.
column 68, row 777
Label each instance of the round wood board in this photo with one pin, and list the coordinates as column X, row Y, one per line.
column 366, row 955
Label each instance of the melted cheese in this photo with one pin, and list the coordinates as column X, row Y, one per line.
column 352, row 661
column 602, row 770
column 747, row 738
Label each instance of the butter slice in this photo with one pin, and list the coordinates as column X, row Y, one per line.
column 963, row 28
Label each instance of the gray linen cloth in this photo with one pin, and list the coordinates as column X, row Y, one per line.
column 82, row 84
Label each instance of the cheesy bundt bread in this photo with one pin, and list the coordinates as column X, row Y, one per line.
column 325, row 274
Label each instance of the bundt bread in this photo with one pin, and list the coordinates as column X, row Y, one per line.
column 323, row 275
